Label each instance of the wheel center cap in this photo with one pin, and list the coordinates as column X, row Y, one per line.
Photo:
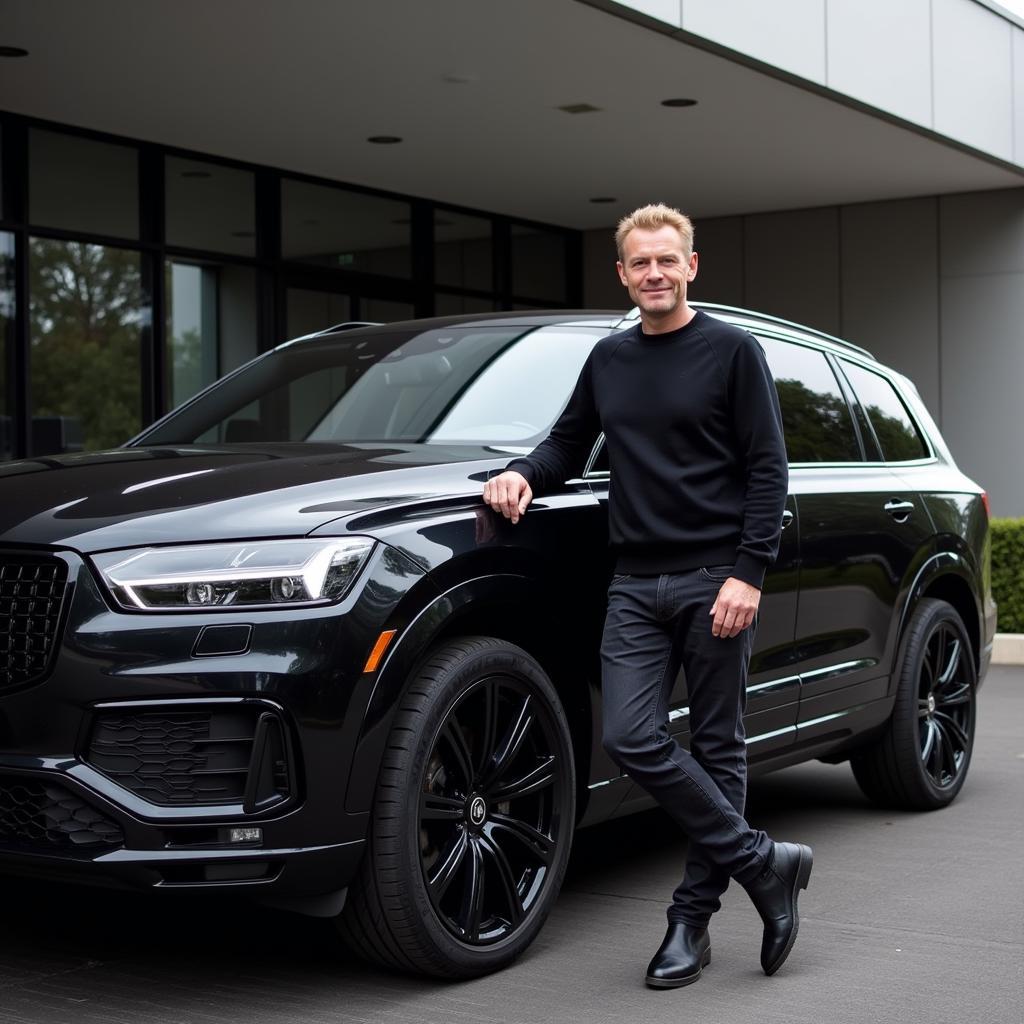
column 931, row 703
column 477, row 810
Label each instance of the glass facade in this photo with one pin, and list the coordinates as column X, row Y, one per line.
column 209, row 207
column 211, row 324
column 7, row 311
column 463, row 251
column 82, row 185
column 86, row 314
column 133, row 275
column 334, row 227
column 538, row 263
column 310, row 311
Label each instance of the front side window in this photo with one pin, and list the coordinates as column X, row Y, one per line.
column 898, row 436
column 815, row 416
column 502, row 386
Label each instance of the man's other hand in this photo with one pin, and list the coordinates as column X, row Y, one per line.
column 508, row 494
column 734, row 608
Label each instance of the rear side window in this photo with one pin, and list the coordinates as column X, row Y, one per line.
column 897, row 434
column 815, row 414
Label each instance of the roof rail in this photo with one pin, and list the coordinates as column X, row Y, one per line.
column 755, row 315
column 767, row 318
column 349, row 325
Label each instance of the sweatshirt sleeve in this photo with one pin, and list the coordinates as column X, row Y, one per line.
column 563, row 453
column 758, row 426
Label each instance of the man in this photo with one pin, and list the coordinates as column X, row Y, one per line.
column 698, row 485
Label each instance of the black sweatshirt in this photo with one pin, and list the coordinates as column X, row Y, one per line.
column 694, row 434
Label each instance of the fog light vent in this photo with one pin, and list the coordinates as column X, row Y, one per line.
column 270, row 770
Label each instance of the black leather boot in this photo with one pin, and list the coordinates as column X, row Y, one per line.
column 685, row 952
column 774, row 893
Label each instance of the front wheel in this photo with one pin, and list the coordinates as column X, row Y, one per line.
column 472, row 820
column 920, row 762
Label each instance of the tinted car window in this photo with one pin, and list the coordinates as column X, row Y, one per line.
column 897, row 434
column 478, row 385
column 815, row 415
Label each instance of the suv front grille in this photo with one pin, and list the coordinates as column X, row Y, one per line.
column 39, row 814
column 187, row 758
column 31, row 596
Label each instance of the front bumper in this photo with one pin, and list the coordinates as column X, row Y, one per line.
column 135, row 758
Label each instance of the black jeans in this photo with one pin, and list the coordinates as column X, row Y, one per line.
column 655, row 624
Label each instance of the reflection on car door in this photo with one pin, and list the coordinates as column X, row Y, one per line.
column 864, row 531
column 859, row 529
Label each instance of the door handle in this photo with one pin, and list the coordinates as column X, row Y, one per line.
column 787, row 518
column 899, row 510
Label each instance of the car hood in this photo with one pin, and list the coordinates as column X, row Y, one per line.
column 128, row 497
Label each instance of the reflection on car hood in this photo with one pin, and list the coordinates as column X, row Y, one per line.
column 135, row 496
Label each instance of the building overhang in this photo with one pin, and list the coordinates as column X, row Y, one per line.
column 475, row 90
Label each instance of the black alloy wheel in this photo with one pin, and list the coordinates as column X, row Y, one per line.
column 473, row 818
column 489, row 807
column 920, row 762
column 945, row 705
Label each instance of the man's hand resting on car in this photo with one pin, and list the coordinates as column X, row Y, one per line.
column 508, row 494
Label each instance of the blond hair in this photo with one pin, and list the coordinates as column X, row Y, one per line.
column 652, row 217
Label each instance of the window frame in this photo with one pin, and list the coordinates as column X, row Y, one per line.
column 789, row 339
column 921, row 432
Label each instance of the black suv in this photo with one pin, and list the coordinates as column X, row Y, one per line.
column 278, row 644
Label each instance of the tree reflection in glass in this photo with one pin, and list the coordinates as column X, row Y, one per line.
column 86, row 320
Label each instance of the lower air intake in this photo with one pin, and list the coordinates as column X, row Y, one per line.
column 193, row 757
column 42, row 815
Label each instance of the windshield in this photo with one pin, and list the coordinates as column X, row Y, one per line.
column 458, row 385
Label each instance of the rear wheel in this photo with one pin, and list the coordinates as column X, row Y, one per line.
column 472, row 820
column 920, row 762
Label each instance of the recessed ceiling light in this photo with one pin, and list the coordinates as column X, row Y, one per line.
column 12, row 51
column 196, row 174
column 384, row 140
column 603, row 199
column 579, row 108
column 679, row 102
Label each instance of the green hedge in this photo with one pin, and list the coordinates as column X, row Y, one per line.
column 1008, row 573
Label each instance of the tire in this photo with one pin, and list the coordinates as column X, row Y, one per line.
column 472, row 820
column 920, row 761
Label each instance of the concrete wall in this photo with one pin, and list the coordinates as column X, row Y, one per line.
column 954, row 66
column 932, row 286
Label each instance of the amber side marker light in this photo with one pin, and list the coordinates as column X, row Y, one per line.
column 378, row 650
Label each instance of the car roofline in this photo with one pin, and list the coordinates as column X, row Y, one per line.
column 510, row 317
column 769, row 321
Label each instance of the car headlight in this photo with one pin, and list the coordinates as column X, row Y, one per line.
column 240, row 574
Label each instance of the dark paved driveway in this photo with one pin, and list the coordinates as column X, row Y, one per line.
column 909, row 918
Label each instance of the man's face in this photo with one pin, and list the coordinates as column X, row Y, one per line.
column 655, row 270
